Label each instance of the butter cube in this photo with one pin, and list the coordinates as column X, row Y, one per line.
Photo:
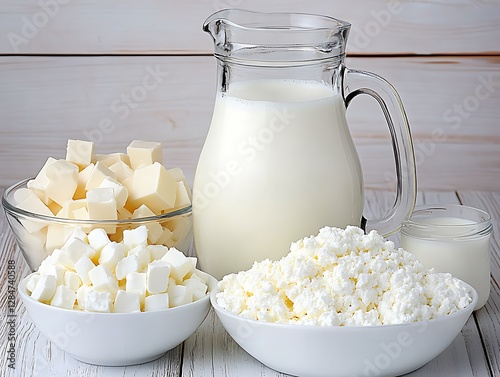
column 143, row 153
column 79, row 152
column 98, row 238
column 127, row 302
column 135, row 237
column 143, row 256
column 182, row 198
column 156, row 302
column 180, row 264
column 103, row 279
column 157, row 276
column 126, row 266
column 82, row 267
column 111, row 254
column 102, row 206
column 198, row 287
column 120, row 192
column 69, row 206
column 72, row 280
column 157, row 251
column 41, row 182
column 83, row 178
column 76, row 249
column 153, row 186
column 32, row 203
column 121, row 170
column 97, row 175
column 61, row 257
column 63, row 176
column 155, row 229
column 63, row 297
column 31, row 283
column 179, row 295
column 136, row 282
column 97, row 301
column 44, row 289
column 113, row 158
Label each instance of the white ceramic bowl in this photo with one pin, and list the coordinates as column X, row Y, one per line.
column 117, row 339
column 347, row 351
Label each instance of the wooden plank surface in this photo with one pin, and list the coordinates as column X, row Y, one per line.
column 46, row 100
column 211, row 352
column 166, row 27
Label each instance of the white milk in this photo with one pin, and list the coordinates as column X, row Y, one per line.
column 467, row 259
column 278, row 164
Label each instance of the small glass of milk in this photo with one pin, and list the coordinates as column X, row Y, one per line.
column 452, row 238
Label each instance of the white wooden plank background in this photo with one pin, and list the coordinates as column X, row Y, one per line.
column 211, row 352
column 169, row 26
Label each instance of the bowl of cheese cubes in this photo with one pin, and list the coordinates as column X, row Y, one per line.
column 117, row 304
column 113, row 192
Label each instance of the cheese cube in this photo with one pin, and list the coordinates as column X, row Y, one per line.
column 31, row 282
column 57, row 271
column 40, row 183
column 79, row 152
column 143, row 256
column 166, row 238
column 77, row 232
column 34, row 241
column 156, row 302
column 198, row 287
column 121, row 170
column 32, row 203
column 76, row 249
column 61, row 257
column 21, row 194
column 127, row 265
column 157, row 251
column 97, row 175
column 182, row 198
column 154, row 228
column 113, row 158
column 124, row 214
column 157, row 276
column 45, row 288
column 111, row 254
column 98, row 238
column 80, row 296
column 103, row 279
column 44, row 266
column 97, row 301
column 63, row 297
column 69, row 206
column 135, row 237
column 82, row 214
column 136, row 282
column 127, row 302
column 180, row 264
column 179, row 295
column 72, row 280
column 63, row 176
column 54, row 208
column 153, row 186
column 82, row 267
column 143, row 153
column 119, row 191
column 83, row 177
column 102, row 206
column 180, row 227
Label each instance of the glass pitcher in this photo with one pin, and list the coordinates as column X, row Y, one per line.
column 278, row 162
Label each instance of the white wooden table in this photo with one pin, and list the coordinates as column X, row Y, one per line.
column 211, row 352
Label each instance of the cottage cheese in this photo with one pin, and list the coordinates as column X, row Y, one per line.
column 342, row 277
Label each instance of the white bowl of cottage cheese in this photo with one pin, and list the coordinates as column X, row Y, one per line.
column 343, row 303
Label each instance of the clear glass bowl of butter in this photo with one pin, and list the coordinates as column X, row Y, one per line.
column 38, row 235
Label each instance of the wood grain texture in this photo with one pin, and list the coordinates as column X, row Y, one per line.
column 46, row 100
column 166, row 27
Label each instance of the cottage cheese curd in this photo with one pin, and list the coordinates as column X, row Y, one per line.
column 342, row 277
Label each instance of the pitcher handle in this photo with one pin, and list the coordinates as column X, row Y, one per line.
column 357, row 82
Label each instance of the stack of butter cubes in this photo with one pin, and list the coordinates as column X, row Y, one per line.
column 117, row 186
column 92, row 273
